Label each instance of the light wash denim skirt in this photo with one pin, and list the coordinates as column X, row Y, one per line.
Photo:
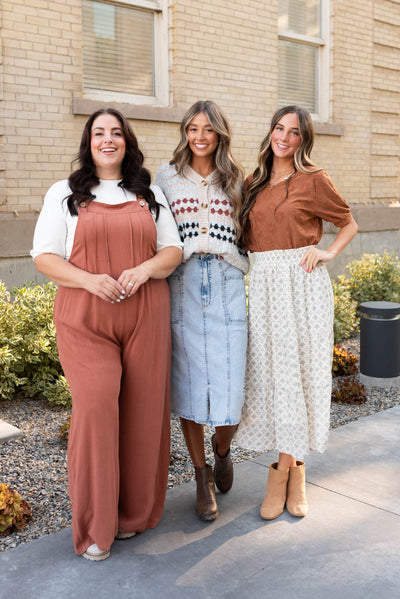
column 209, row 340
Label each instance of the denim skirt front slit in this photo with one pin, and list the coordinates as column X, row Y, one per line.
column 209, row 340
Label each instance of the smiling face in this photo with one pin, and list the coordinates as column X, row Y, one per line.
column 285, row 137
column 203, row 139
column 107, row 145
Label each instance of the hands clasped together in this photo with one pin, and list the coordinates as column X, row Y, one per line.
column 112, row 290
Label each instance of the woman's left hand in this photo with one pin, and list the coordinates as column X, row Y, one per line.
column 313, row 256
column 132, row 278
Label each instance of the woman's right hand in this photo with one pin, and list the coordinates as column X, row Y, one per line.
column 105, row 287
column 64, row 273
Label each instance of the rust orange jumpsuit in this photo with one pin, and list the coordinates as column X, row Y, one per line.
column 116, row 358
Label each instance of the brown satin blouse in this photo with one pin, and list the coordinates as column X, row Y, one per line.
column 280, row 224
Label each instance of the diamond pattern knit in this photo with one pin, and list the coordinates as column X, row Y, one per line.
column 289, row 356
column 203, row 214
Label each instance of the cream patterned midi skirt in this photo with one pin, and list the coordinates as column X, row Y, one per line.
column 289, row 356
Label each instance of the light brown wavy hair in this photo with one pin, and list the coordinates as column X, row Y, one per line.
column 229, row 171
column 262, row 174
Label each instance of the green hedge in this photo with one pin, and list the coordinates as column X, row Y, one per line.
column 375, row 277
column 29, row 364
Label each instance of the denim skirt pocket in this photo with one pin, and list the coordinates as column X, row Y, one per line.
column 233, row 293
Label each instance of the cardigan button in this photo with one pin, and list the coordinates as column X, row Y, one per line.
column 82, row 205
column 204, row 182
column 204, row 205
column 204, row 230
column 141, row 203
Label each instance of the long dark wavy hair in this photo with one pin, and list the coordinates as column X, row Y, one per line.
column 229, row 172
column 135, row 177
column 262, row 174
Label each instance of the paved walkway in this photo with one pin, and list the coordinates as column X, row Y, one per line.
column 348, row 547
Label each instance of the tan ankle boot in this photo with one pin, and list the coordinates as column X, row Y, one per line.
column 296, row 502
column 275, row 497
column 206, row 506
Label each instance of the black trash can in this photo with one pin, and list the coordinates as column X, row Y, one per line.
column 380, row 343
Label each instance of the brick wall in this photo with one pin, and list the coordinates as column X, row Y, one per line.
column 41, row 69
column 385, row 102
column 219, row 49
column 227, row 51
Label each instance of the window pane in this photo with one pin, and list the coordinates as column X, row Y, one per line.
column 298, row 75
column 300, row 16
column 118, row 48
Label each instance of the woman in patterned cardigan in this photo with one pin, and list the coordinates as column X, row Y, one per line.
column 203, row 185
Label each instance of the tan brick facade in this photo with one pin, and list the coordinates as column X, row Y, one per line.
column 219, row 49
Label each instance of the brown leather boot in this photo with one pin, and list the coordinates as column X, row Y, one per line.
column 223, row 469
column 296, row 502
column 206, row 506
column 275, row 497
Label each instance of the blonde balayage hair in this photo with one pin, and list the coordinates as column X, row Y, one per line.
column 262, row 174
column 229, row 172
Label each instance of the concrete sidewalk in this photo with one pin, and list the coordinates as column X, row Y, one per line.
column 348, row 547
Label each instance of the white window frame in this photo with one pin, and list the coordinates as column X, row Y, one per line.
column 323, row 73
column 160, row 56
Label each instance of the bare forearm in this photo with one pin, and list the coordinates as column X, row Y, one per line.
column 61, row 271
column 158, row 267
column 315, row 255
column 344, row 237
column 163, row 263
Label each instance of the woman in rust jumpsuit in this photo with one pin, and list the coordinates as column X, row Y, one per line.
column 108, row 239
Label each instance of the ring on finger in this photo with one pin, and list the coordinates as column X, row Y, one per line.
column 131, row 284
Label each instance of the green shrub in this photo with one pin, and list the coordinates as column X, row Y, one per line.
column 29, row 363
column 375, row 277
column 345, row 321
column 8, row 378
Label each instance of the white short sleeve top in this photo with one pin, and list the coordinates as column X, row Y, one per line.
column 55, row 228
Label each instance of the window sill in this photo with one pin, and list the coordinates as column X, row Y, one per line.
column 87, row 107
column 328, row 129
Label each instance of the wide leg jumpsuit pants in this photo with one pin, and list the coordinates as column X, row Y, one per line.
column 116, row 358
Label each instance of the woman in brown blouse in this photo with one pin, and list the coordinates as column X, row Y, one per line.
column 289, row 359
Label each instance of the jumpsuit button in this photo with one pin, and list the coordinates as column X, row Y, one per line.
column 204, row 205
column 204, row 230
column 204, row 182
column 141, row 203
column 82, row 205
